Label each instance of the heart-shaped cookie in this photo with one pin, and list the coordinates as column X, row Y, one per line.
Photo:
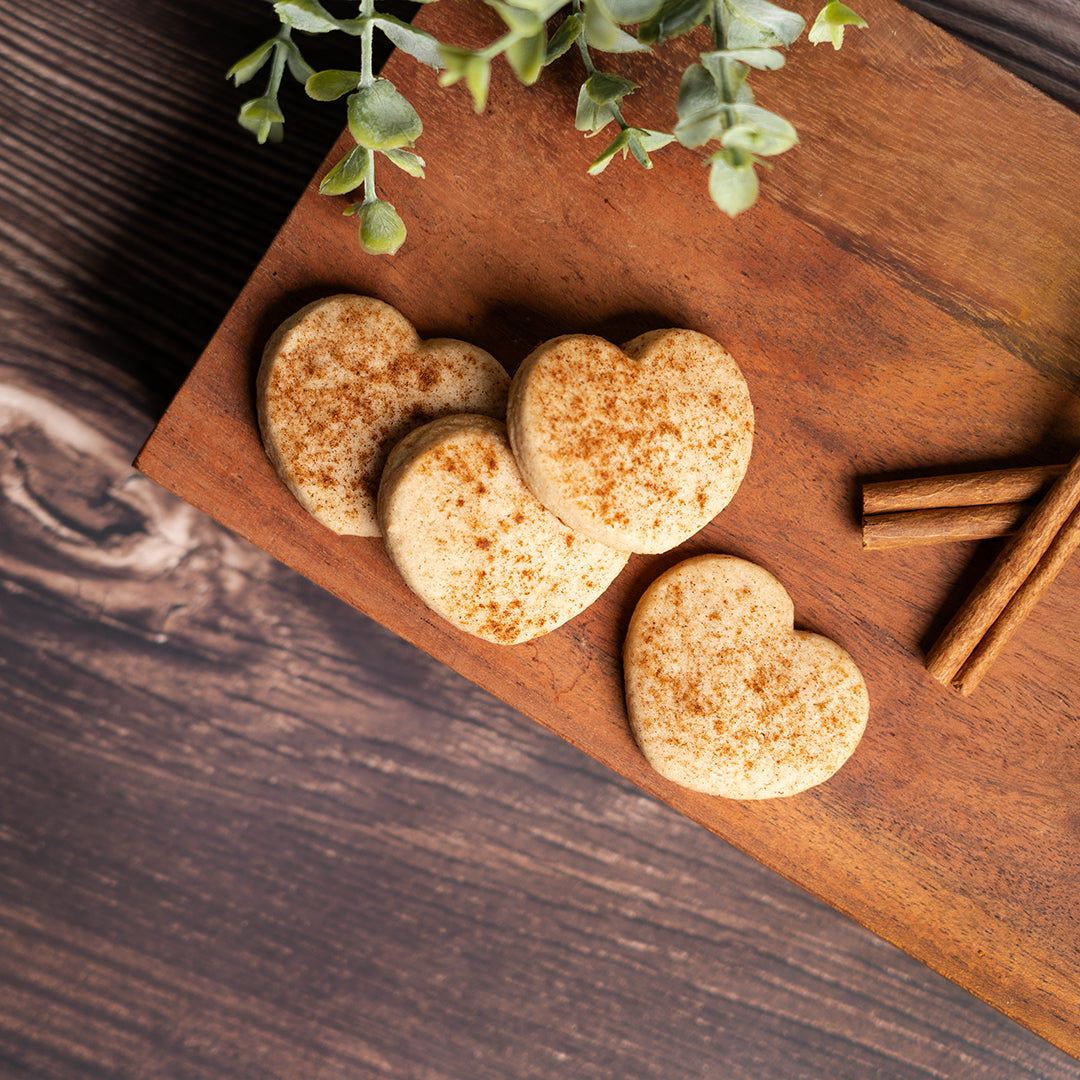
column 341, row 382
column 473, row 543
column 725, row 696
column 637, row 447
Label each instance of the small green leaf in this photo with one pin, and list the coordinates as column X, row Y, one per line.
column 522, row 21
column 620, row 142
column 630, row 12
column 299, row 68
column 470, row 66
column 563, row 39
column 603, row 33
column 526, row 56
column 631, row 140
column 733, row 183
column 760, row 24
column 590, row 117
column 332, row 84
column 382, row 231
column 263, row 118
column 654, row 140
column 673, row 19
column 758, row 131
column 727, row 73
column 380, row 118
column 244, row 70
column 701, row 109
column 830, row 23
column 419, row 44
column 348, row 174
column 307, row 15
column 762, row 59
column 412, row 163
column 698, row 91
column 605, row 89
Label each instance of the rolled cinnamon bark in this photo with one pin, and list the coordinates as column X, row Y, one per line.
column 942, row 525
column 1019, row 607
column 1010, row 569
column 960, row 489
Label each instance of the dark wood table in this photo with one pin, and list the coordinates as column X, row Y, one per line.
column 245, row 831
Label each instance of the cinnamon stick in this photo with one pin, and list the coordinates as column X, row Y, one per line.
column 1019, row 607
column 960, row 489
column 1012, row 567
column 942, row 525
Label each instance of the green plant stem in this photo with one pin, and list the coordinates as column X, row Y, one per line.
column 369, row 178
column 277, row 66
column 367, row 77
column 590, row 69
column 367, row 40
column 719, row 37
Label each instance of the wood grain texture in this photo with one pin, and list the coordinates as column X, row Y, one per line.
column 245, row 831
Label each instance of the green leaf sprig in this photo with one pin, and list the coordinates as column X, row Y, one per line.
column 715, row 110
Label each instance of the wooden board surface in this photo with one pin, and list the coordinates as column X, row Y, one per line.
column 903, row 298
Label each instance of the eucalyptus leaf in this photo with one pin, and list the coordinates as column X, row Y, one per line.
column 382, row 231
column 620, row 142
column 246, row 69
column 699, row 128
column 700, row 108
column 522, row 21
column 830, row 23
column 299, row 68
column 730, row 75
column 654, row 140
column 259, row 116
column 698, row 91
column 478, row 79
column 591, row 117
column 733, row 188
column 526, row 56
column 407, row 160
column 380, row 118
column 307, row 15
column 629, row 12
column 631, row 140
column 564, row 37
column 465, row 64
column 758, row 131
column 603, row 33
column 604, row 88
column 761, row 59
column 760, row 24
column 673, row 19
column 348, row 174
column 418, row 44
column 332, row 84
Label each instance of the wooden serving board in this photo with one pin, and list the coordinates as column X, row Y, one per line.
column 905, row 297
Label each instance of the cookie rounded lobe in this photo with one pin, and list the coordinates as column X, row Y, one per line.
column 469, row 538
column 345, row 378
column 725, row 697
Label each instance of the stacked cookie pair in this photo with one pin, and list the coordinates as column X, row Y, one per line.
column 509, row 506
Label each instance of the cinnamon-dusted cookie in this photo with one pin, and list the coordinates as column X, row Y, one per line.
column 637, row 447
column 472, row 542
column 725, row 697
column 344, row 379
